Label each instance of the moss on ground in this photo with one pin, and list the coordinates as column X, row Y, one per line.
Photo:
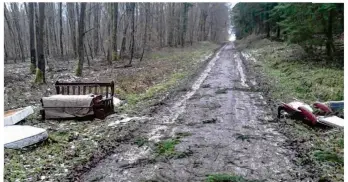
column 289, row 75
column 32, row 68
column 38, row 76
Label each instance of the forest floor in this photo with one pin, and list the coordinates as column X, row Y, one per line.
column 73, row 145
column 212, row 120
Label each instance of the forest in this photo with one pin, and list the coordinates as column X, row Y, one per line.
column 314, row 26
column 133, row 91
column 115, row 31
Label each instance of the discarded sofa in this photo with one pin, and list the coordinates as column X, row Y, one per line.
column 79, row 100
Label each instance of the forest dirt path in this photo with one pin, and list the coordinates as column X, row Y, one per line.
column 222, row 126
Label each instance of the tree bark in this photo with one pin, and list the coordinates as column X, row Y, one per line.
column 40, row 72
column 329, row 42
column 61, row 30
column 72, row 19
column 96, row 31
column 6, row 13
column 132, row 6
column 14, row 7
column 184, row 26
column 147, row 8
column 114, row 32
column 81, row 27
column 32, row 39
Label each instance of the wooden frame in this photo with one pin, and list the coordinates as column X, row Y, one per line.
column 102, row 108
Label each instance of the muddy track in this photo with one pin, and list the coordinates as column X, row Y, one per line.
column 228, row 130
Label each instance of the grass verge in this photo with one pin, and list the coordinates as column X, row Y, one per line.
column 288, row 76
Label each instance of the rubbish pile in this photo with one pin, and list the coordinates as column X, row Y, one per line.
column 329, row 113
column 19, row 136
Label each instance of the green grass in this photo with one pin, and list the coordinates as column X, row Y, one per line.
column 289, row 76
column 304, row 80
column 167, row 147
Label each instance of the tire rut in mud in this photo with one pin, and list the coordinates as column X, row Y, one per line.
column 227, row 131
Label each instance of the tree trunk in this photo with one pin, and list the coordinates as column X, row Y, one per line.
column 184, row 26
column 37, row 29
column 278, row 32
column 329, row 42
column 96, row 31
column 132, row 6
column 32, row 39
column 114, row 32
column 6, row 55
column 18, row 29
column 40, row 72
column 147, row 8
column 61, row 30
column 171, row 25
column 11, row 30
column 72, row 19
column 81, row 27
column 125, row 29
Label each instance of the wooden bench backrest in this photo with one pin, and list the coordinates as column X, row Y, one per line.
column 78, row 88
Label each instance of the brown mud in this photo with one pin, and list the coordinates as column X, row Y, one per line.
column 222, row 124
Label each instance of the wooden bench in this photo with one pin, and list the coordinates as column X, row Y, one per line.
column 102, row 108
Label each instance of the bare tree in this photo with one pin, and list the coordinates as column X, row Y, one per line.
column 96, row 29
column 15, row 10
column 61, row 29
column 40, row 72
column 114, row 32
column 32, row 38
column 81, row 27
column 132, row 8
column 141, row 27
column 72, row 20
column 147, row 8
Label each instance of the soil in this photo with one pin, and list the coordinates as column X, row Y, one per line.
column 223, row 124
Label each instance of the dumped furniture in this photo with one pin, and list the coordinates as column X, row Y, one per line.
column 16, row 115
column 17, row 136
column 325, row 113
column 79, row 100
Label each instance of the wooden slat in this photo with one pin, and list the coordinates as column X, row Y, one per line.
column 78, row 90
column 89, row 90
column 67, row 90
column 107, row 91
column 84, row 90
column 80, row 83
column 73, row 90
column 96, row 90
